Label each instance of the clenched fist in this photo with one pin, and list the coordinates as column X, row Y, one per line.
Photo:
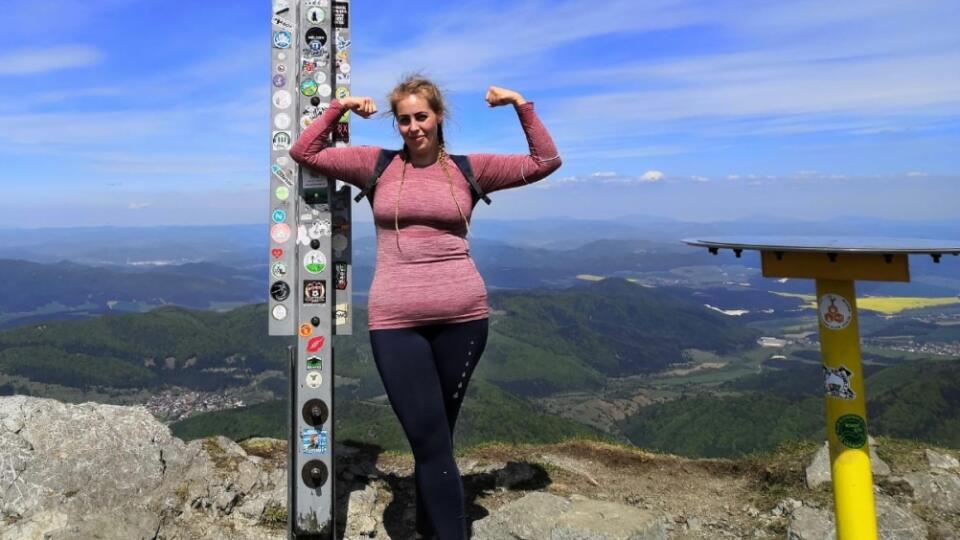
column 497, row 96
column 364, row 106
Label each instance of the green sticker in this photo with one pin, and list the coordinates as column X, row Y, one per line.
column 851, row 430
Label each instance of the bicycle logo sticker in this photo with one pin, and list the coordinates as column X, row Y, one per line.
column 835, row 311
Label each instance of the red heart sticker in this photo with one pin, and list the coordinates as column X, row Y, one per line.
column 315, row 344
column 276, row 252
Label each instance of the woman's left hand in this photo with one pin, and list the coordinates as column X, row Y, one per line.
column 497, row 96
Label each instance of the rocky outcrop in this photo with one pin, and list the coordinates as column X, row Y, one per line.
column 818, row 472
column 72, row 471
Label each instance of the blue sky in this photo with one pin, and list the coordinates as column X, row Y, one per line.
column 129, row 112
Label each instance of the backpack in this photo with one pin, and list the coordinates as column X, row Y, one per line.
column 386, row 156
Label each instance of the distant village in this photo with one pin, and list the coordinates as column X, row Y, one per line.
column 172, row 405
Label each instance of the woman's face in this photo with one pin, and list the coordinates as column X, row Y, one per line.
column 418, row 124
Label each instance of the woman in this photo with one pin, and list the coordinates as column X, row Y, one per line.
column 428, row 304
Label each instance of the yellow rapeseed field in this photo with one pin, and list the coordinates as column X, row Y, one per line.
column 888, row 305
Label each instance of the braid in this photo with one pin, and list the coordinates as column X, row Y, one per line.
column 446, row 171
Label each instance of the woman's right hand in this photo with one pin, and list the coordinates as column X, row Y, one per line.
column 364, row 106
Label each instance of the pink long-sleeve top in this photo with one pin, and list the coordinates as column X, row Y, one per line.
column 424, row 273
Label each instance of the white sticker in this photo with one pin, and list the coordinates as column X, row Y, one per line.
column 279, row 312
column 836, row 382
column 835, row 311
column 283, row 161
column 319, row 229
column 281, row 140
column 315, row 261
column 314, row 379
column 320, row 77
column 325, row 90
column 316, row 15
column 344, row 67
column 340, row 314
column 282, row 23
column 281, row 121
column 282, row 99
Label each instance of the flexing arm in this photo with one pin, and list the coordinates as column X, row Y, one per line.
column 354, row 165
column 495, row 171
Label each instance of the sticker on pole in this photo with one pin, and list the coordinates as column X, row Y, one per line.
column 314, row 441
column 314, row 261
column 340, row 314
column 280, row 233
column 314, row 379
column 851, row 429
column 836, row 382
column 279, row 312
column 835, row 311
column 314, row 291
column 315, row 344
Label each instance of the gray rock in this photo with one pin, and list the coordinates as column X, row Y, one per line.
column 936, row 489
column 937, row 460
column 893, row 522
column 110, row 472
column 818, row 472
column 542, row 516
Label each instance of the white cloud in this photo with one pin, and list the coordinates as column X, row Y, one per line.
column 916, row 174
column 652, row 176
column 34, row 61
column 138, row 205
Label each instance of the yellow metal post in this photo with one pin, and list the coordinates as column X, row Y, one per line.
column 846, row 411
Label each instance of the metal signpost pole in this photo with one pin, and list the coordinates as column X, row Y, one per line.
column 310, row 251
column 835, row 265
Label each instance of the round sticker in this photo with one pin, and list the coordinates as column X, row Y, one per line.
column 281, row 140
column 279, row 291
column 320, row 77
column 282, row 99
column 339, row 242
column 281, row 56
column 342, row 92
column 279, row 80
column 308, row 87
column 316, row 15
column 306, row 330
column 283, row 161
column 316, row 38
column 851, row 430
column 344, row 67
column 324, row 90
column 305, row 122
column 282, row 39
column 315, row 261
column 278, row 270
column 276, row 252
column 279, row 312
column 835, row 311
column 283, row 193
column 314, row 379
column 279, row 215
column 281, row 121
column 280, row 233
column 281, row 68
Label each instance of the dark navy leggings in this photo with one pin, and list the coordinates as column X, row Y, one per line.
column 425, row 370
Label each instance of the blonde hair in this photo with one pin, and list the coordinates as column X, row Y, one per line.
column 417, row 84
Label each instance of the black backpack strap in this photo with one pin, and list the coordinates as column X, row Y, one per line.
column 383, row 160
column 463, row 163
